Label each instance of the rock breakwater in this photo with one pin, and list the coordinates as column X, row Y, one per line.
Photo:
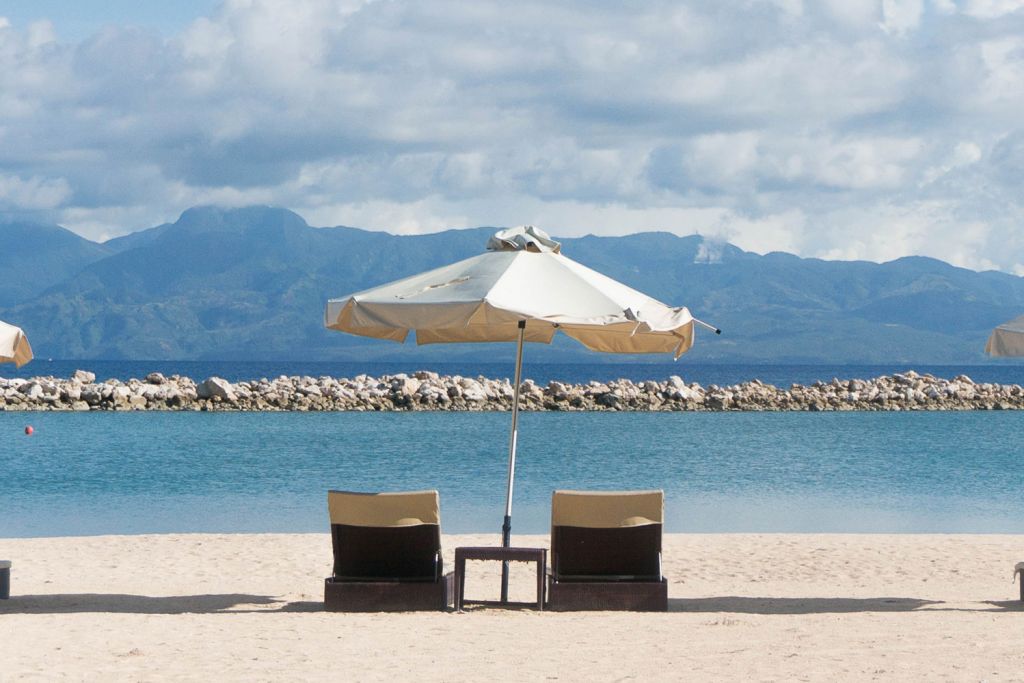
column 430, row 391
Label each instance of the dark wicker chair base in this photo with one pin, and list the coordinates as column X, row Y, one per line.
column 383, row 596
column 635, row 596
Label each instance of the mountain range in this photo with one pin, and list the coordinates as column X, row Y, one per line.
column 251, row 283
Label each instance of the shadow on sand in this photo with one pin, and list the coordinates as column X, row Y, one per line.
column 241, row 603
column 1007, row 605
column 70, row 603
column 745, row 605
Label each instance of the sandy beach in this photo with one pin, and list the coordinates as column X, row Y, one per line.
column 742, row 607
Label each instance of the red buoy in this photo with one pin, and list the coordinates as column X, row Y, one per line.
column 29, row 430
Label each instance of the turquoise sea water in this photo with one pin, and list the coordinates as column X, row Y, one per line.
column 858, row 472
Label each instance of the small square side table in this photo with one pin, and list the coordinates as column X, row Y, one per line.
column 538, row 555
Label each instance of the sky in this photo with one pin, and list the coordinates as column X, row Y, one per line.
column 840, row 129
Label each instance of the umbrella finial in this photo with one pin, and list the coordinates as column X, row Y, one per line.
column 523, row 238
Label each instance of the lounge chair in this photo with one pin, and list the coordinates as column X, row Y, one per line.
column 387, row 553
column 606, row 551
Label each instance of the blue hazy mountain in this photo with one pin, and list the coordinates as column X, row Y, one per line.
column 35, row 256
column 251, row 284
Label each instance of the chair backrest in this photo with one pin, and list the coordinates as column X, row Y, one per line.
column 386, row 536
column 607, row 535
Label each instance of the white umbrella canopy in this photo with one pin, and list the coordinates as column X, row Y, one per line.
column 1007, row 339
column 14, row 346
column 521, row 289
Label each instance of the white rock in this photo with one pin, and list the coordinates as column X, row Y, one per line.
column 84, row 376
column 216, row 386
column 475, row 394
column 31, row 389
column 406, row 386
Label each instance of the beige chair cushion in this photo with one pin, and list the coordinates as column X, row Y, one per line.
column 607, row 509
column 391, row 509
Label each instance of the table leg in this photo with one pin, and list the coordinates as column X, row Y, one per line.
column 460, row 582
column 540, row 583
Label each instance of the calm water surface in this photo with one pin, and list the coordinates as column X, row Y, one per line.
column 161, row 472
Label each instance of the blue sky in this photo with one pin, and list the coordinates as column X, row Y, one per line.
column 851, row 129
column 76, row 20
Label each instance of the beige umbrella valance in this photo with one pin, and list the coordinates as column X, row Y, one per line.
column 1007, row 339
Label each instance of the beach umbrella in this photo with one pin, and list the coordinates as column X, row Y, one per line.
column 1007, row 339
column 14, row 346
column 520, row 289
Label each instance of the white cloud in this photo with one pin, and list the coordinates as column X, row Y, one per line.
column 901, row 16
column 854, row 13
column 847, row 128
column 39, row 34
column 964, row 154
column 1001, row 76
column 97, row 223
column 793, row 8
column 786, row 231
column 866, row 164
column 723, row 158
column 18, row 193
column 992, row 9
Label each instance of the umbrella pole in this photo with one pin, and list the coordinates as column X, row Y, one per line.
column 506, row 527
